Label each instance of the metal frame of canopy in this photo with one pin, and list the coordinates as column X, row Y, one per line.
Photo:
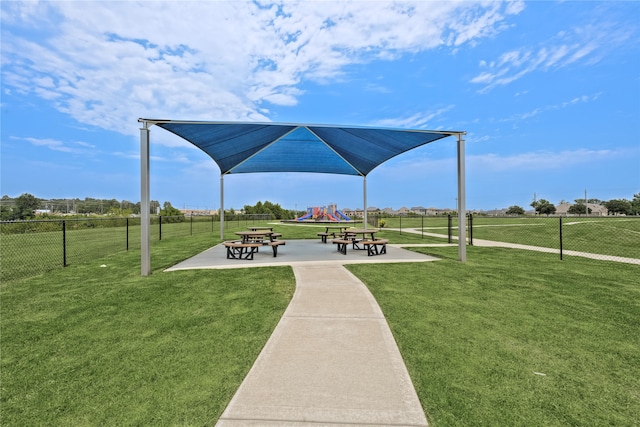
column 287, row 128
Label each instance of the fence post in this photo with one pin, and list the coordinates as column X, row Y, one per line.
column 127, row 233
column 560, row 238
column 422, row 227
column 449, row 227
column 160, row 226
column 191, row 225
column 470, row 229
column 64, row 243
column 400, row 224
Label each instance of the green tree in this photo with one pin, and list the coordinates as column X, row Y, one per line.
column 543, row 207
column 635, row 205
column 618, row 206
column 515, row 210
column 578, row 209
column 168, row 210
column 26, row 205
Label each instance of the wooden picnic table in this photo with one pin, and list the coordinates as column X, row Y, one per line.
column 254, row 235
column 251, row 241
column 372, row 245
column 260, row 228
column 327, row 233
column 352, row 235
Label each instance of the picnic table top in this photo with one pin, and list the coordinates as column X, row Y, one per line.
column 253, row 233
column 361, row 230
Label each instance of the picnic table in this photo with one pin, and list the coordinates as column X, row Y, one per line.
column 353, row 233
column 258, row 236
column 260, row 228
column 372, row 245
column 250, row 242
column 323, row 235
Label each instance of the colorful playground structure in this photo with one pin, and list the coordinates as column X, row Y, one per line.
column 324, row 213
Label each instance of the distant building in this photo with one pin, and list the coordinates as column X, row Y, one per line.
column 199, row 212
column 594, row 210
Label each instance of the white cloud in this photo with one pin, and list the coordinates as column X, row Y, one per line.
column 74, row 147
column 109, row 63
column 540, row 160
column 587, row 45
column 419, row 165
column 553, row 107
column 416, row 121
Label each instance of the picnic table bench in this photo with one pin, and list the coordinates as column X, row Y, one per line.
column 240, row 250
column 372, row 246
column 245, row 250
column 342, row 245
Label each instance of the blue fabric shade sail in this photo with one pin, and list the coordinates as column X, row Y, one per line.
column 288, row 147
column 275, row 147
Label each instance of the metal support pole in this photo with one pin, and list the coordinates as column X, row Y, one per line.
column 364, row 191
column 462, row 209
column 222, row 206
column 145, row 217
column 560, row 238
column 64, row 243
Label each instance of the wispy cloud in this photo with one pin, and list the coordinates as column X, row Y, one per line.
column 75, row 147
column 540, row 161
column 108, row 63
column 419, row 120
column 585, row 45
column 553, row 107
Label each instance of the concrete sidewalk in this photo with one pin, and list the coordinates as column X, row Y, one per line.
column 331, row 361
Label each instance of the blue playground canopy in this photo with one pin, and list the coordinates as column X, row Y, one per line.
column 275, row 147
column 246, row 147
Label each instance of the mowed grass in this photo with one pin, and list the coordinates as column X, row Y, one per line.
column 516, row 338
column 92, row 345
column 509, row 338
column 617, row 236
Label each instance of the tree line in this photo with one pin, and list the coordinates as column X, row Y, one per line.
column 614, row 207
column 28, row 206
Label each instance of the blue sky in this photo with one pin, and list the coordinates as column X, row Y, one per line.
column 548, row 93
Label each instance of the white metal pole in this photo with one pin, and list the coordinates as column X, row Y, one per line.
column 364, row 191
column 221, row 206
column 462, row 209
column 586, row 205
column 145, row 218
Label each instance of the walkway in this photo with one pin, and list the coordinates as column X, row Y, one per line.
column 496, row 244
column 331, row 361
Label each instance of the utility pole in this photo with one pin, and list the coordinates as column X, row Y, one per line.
column 586, row 204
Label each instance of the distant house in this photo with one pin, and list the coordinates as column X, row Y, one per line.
column 594, row 210
column 198, row 212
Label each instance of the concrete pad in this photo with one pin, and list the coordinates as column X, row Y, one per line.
column 297, row 252
column 331, row 360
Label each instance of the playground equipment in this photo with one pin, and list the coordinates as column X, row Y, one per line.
column 324, row 213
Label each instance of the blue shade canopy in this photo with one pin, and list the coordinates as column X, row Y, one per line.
column 280, row 147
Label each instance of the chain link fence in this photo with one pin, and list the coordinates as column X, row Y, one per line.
column 604, row 237
column 28, row 248
column 34, row 247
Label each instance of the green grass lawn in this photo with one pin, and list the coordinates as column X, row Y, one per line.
column 92, row 345
column 516, row 338
column 510, row 338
